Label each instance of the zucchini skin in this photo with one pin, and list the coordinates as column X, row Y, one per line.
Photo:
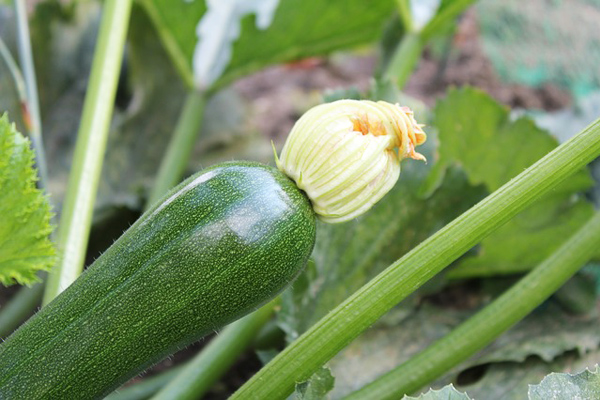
column 219, row 245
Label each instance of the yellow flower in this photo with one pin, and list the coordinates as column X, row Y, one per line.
column 346, row 155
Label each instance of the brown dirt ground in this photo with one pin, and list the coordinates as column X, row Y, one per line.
column 280, row 94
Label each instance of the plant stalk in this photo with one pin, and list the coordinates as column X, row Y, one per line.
column 180, row 147
column 405, row 59
column 409, row 50
column 489, row 323
column 344, row 323
column 76, row 216
column 451, row 11
column 216, row 358
column 31, row 105
column 403, row 7
column 19, row 308
column 16, row 75
column 147, row 387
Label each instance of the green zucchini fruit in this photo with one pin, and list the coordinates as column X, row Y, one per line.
column 218, row 246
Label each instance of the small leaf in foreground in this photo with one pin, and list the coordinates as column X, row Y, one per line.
column 24, row 212
column 317, row 387
column 558, row 386
column 445, row 393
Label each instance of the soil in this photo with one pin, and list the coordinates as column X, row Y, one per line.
column 281, row 94
column 467, row 64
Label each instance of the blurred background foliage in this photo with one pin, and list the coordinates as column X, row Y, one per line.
column 535, row 68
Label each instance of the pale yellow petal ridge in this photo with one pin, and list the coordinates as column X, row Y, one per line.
column 346, row 155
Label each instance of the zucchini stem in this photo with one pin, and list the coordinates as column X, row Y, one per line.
column 20, row 307
column 448, row 13
column 147, row 387
column 180, row 147
column 31, row 104
column 76, row 216
column 403, row 7
column 405, row 59
column 408, row 52
column 489, row 323
column 347, row 321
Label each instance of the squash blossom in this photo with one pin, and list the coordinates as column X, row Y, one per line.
column 346, row 155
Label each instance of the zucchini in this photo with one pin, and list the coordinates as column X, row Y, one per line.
column 218, row 246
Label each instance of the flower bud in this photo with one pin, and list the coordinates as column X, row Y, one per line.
column 346, row 155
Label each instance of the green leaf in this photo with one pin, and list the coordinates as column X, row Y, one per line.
column 148, row 104
column 294, row 32
column 317, row 387
column 593, row 271
column 565, row 123
column 548, row 340
column 547, row 334
column 25, row 213
column 218, row 29
column 131, row 164
column 578, row 295
column 445, row 393
column 11, row 84
column 510, row 381
column 348, row 255
column 492, row 149
column 399, row 335
column 558, row 386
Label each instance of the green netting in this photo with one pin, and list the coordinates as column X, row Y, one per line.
column 533, row 42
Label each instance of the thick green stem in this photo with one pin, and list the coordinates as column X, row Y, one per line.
column 31, row 106
column 76, row 216
column 452, row 10
column 180, row 148
column 403, row 7
column 15, row 73
column 216, row 358
column 343, row 324
column 19, row 308
column 409, row 50
column 147, row 387
column 485, row 326
column 405, row 59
